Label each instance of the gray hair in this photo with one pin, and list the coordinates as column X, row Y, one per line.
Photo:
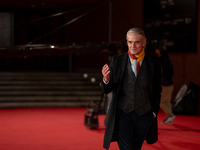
column 135, row 30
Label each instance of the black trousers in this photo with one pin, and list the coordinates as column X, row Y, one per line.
column 132, row 129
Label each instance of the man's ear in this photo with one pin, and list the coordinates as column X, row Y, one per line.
column 144, row 42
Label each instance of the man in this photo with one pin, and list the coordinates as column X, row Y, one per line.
column 136, row 87
column 167, row 84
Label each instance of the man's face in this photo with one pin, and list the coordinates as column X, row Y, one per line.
column 135, row 42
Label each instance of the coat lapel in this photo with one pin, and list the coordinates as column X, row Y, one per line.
column 123, row 65
column 147, row 60
column 150, row 65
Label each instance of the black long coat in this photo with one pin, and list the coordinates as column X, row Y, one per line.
column 117, row 68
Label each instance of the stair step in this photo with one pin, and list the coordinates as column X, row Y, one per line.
column 75, row 93
column 48, row 89
column 45, row 104
column 49, row 98
column 45, row 87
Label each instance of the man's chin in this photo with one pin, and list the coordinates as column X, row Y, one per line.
column 133, row 52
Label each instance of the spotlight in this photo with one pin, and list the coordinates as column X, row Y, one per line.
column 85, row 75
column 93, row 79
column 52, row 46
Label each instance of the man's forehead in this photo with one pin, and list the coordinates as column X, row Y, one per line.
column 134, row 36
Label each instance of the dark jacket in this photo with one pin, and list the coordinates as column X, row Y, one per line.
column 167, row 69
column 117, row 68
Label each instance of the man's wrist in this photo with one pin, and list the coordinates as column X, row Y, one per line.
column 105, row 81
column 154, row 115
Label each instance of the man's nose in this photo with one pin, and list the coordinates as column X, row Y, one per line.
column 133, row 45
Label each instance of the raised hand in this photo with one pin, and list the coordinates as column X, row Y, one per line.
column 106, row 72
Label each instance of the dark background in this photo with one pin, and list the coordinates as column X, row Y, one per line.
column 172, row 23
column 97, row 35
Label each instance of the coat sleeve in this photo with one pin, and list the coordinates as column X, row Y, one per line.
column 107, row 88
column 157, row 87
column 152, row 135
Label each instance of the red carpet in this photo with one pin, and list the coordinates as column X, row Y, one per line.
column 63, row 129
